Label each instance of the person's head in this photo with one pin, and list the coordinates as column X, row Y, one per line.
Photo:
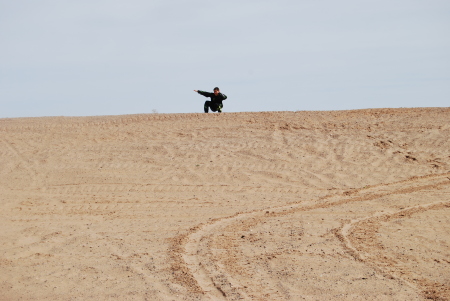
column 216, row 90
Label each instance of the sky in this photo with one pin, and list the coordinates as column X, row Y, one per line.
column 110, row 57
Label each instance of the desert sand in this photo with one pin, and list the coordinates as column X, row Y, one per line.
column 336, row 205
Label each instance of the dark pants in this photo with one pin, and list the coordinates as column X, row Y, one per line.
column 213, row 106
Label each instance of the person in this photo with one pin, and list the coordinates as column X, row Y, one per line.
column 215, row 104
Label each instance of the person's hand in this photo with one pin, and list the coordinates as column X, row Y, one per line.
column 195, row 90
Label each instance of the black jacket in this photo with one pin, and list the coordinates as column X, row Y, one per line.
column 214, row 99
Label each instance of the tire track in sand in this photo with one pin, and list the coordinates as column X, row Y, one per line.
column 31, row 171
column 430, row 290
column 206, row 276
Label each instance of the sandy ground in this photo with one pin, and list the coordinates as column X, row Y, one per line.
column 346, row 205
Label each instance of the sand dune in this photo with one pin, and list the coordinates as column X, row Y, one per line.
column 342, row 205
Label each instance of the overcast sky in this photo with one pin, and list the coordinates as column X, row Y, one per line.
column 106, row 57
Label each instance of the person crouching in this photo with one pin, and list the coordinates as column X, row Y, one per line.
column 215, row 104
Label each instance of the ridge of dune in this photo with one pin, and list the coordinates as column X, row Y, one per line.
column 306, row 205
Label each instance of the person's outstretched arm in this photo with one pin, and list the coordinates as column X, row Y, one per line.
column 206, row 94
